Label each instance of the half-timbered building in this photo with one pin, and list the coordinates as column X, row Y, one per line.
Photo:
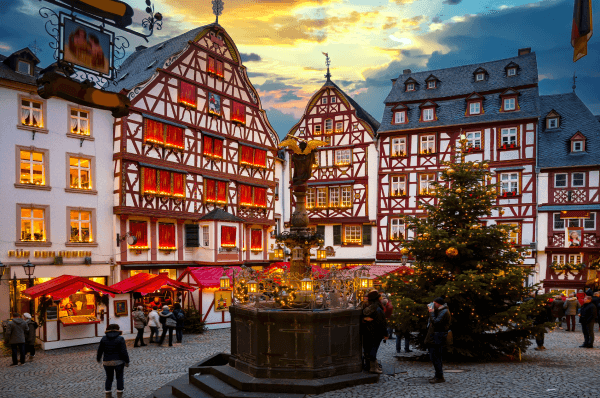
column 493, row 105
column 195, row 159
column 568, row 195
column 341, row 198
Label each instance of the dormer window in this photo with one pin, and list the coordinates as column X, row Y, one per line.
column 410, row 87
column 577, row 146
column 24, row 67
column 511, row 71
column 399, row 117
column 552, row 120
column 480, row 77
column 431, row 84
column 553, row 123
column 474, row 105
column 474, row 108
column 578, row 143
column 509, row 101
column 428, row 114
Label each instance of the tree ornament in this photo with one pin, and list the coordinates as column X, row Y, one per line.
column 452, row 252
column 404, row 250
column 501, row 212
column 458, row 190
column 512, row 249
column 437, row 245
column 476, row 165
column 485, row 165
column 426, row 235
column 450, row 171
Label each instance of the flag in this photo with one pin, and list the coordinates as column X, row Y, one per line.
column 582, row 28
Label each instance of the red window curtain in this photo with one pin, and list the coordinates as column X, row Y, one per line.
column 219, row 65
column 154, row 132
column 247, row 155
column 245, row 195
column 208, row 145
column 260, row 197
column 187, row 94
column 150, row 185
column 179, row 184
column 218, row 148
column 211, row 65
column 175, row 137
column 228, row 236
column 211, row 194
column 256, row 239
column 221, row 191
column 260, row 158
column 139, row 229
column 239, row 113
column 165, row 182
column 166, row 235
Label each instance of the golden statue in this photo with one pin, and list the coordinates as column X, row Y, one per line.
column 303, row 157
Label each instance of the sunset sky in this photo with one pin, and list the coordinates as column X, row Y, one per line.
column 369, row 42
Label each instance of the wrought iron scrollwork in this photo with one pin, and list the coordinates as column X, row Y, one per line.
column 51, row 27
column 154, row 20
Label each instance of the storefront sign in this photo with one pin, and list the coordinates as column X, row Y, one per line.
column 330, row 251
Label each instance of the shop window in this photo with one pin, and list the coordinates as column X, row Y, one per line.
column 187, row 94
column 398, row 185
column 343, row 157
column 426, row 184
column 397, row 229
column 238, row 112
column 560, row 180
column 509, row 184
column 215, row 191
column 33, row 167
column 80, row 122
column 398, row 146
column 353, row 234
column 346, row 198
column 508, row 137
column 427, row 144
column 228, row 236
column 254, row 157
column 310, row 198
column 139, row 229
column 256, row 240
column 166, row 237
column 81, row 226
column 80, row 173
column 33, row 224
column 32, row 113
column 212, row 147
column 171, row 272
column 78, row 308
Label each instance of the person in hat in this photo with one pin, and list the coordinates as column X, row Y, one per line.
column 30, row 336
column 112, row 347
column 374, row 329
column 139, row 322
column 16, row 330
column 437, row 332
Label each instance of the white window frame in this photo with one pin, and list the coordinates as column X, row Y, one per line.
column 427, row 142
column 474, row 139
column 352, row 234
column 511, row 72
column 590, row 221
column 556, row 219
column 428, row 114
column 510, row 182
column 323, row 100
column 339, row 127
column 397, row 227
column 399, row 146
column 328, row 126
column 508, row 136
column 79, row 119
column 575, row 258
column 510, row 104
column 80, row 221
column 566, row 176
column 32, row 220
column 321, row 198
column 32, row 109
column 346, row 196
column 398, row 183
column 480, row 77
column 334, row 196
column 79, row 169
column 343, row 157
column 577, row 146
column 552, row 122
column 582, row 180
column 205, row 236
column 310, row 198
column 425, row 183
column 410, row 87
column 399, row 117
column 472, row 110
column 431, row 84
column 559, row 258
column 332, row 100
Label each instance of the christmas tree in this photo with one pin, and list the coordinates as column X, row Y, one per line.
column 473, row 265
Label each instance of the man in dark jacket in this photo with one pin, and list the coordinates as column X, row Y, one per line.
column 168, row 321
column 30, row 336
column 596, row 302
column 587, row 318
column 374, row 329
column 113, row 348
column 179, row 316
column 438, row 326
column 16, row 330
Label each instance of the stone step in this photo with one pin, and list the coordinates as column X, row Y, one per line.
column 189, row 391
column 218, row 388
column 163, row 392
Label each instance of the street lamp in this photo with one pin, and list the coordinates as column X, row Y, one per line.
column 321, row 253
column 29, row 270
column 404, row 259
column 3, row 269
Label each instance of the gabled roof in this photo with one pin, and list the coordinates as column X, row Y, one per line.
column 7, row 72
column 552, row 113
column 219, row 214
column 66, row 285
column 399, row 107
column 475, row 96
column 411, row 80
column 578, row 136
column 427, row 103
column 360, row 112
column 432, row 77
column 145, row 283
column 509, row 91
column 480, row 70
column 511, row 64
column 554, row 145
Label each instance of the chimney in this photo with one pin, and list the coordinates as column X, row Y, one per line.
column 138, row 48
column 524, row 51
column 406, row 71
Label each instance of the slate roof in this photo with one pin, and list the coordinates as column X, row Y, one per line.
column 460, row 81
column 554, row 145
column 9, row 74
column 220, row 215
column 598, row 117
column 360, row 112
column 134, row 69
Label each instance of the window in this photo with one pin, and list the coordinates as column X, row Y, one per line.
column 553, row 123
column 166, row 237
column 398, row 186
column 480, row 77
column 334, row 196
column 317, row 156
column 577, row 146
column 80, row 122
column 509, row 184
column 410, row 87
column 205, row 236
column 324, row 100
column 346, row 197
column 512, row 71
column 215, row 191
column 427, row 144
column 560, row 180
column 81, row 227
column 212, row 147
column 400, row 117
column 573, row 223
column 559, row 223
column 558, row 258
column 399, row 146
column 514, row 236
column 80, row 176
column 474, row 108
column 187, row 94
column 508, row 138
column 353, row 234
column 192, row 235
column 33, row 224
column 139, row 229
column 426, row 184
column 215, row 67
column 431, row 84
column 24, row 67
column 163, row 134
column 256, row 240
column 509, row 104
column 321, row 197
column 339, row 127
column 255, row 157
column 333, row 100
column 328, row 140
column 252, row 196
column 474, row 140
column 427, row 114
column 317, row 130
column 31, row 113
column 343, row 157
column 578, row 180
column 397, row 229
column 575, row 258
column 165, row 183
column 310, row 198
column 328, row 126
column 590, row 223
column 32, row 167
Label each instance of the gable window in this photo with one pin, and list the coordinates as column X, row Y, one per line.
column 343, row 157
column 32, row 167
column 339, row 127
column 81, row 226
column 353, row 234
column 24, row 67
column 334, row 196
column 399, row 117
column 552, row 123
column 398, row 185
column 324, row 100
column 31, row 113
column 512, row 71
column 426, row 144
column 80, row 122
column 428, row 114
column 474, row 108
column 212, row 147
column 238, row 114
column 578, row 180
column 480, row 77
column 559, row 223
column 577, row 146
column 398, row 146
column 590, row 223
column 410, row 87
column 215, row 67
column 33, row 224
column 317, row 129
column 310, row 198
column 333, row 100
column 328, row 126
column 509, row 184
column 508, row 137
column 397, row 229
column 346, row 200
column 431, row 84
column 426, row 184
column 205, row 236
column 187, row 94
column 560, row 180
column 321, row 197
column 474, row 141
column 80, row 173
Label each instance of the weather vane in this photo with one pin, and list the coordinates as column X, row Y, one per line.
column 327, row 62
column 217, row 8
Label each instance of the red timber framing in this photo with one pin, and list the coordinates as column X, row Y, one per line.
column 205, row 119
column 415, row 165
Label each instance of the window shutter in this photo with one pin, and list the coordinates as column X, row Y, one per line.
column 192, row 235
column 337, row 235
column 366, row 235
column 321, row 231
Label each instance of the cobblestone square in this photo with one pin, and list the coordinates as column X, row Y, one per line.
column 563, row 369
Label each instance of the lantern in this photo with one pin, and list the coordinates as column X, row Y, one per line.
column 224, row 282
column 306, row 285
column 321, row 253
column 278, row 252
column 252, row 287
column 363, row 282
column 404, row 259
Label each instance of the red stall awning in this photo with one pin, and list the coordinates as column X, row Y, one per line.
column 145, row 283
column 208, row 277
column 66, row 285
column 317, row 271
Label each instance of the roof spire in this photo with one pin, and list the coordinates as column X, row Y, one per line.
column 217, row 8
column 327, row 62
column 574, row 81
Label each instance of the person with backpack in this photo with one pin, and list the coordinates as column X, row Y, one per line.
column 179, row 316
column 168, row 321
column 139, row 322
column 30, row 337
column 112, row 353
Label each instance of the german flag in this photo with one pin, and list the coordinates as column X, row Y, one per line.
column 582, row 28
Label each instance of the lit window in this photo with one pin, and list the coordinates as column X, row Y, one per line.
column 33, row 227
column 400, row 117
column 334, row 196
column 559, row 223
column 396, row 229
column 80, row 122
column 328, row 140
column 353, row 234
column 512, row 71
column 31, row 113
column 474, row 108
column 310, row 198
column 339, row 127
column 80, row 173
column 343, row 157
column 426, row 184
column 431, row 84
column 399, row 146
column 575, row 258
column 410, row 87
column 553, row 123
column 590, row 223
column 346, row 197
column 321, row 197
column 324, row 100
column 509, row 137
column 427, row 144
column 205, row 236
column 560, row 180
column 578, row 179
column 558, row 258
column 509, row 183
column 24, row 67
column 514, row 236
column 317, row 130
column 474, row 140
column 509, row 104
column 32, row 168
column 480, row 76
column 328, row 126
column 577, row 146
column 81, row 227
column 428, row 114
column 398, row 186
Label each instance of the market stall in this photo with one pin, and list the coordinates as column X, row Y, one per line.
column 71, row 310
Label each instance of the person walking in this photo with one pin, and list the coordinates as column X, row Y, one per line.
column 558, row 310
column 112, row 347
column 571, row 306
column 388, row 311
column 153, row 323
column 587, row 318
column 437, row 333
column 179, row 317
column 402, row 332
column 139, row 322
column 544, row 315
column 16, row 332
column 375, row 329
column 168, row 321
column 30, row 337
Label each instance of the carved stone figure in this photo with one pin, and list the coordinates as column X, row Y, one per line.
column 303, row 158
